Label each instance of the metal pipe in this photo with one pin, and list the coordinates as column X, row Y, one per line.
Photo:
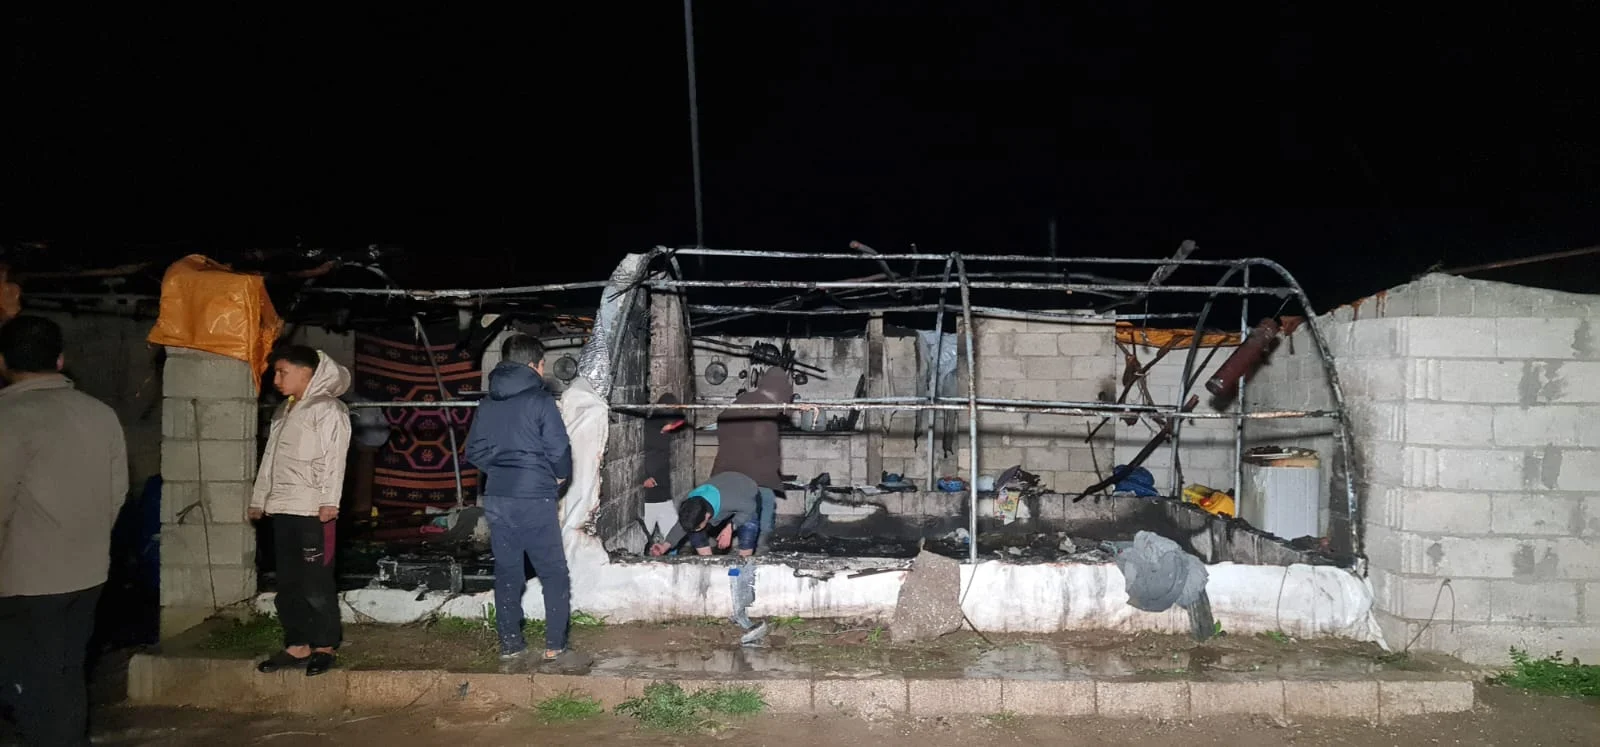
column 933, row 374
column 972, row 413
column 1238, row 404
column 424, row 295
column 757, row 253
column 981, row 284
column 1188, row 373
column 1353, row 508
column 978, row 311
column 1093, row 409
column 449, row 427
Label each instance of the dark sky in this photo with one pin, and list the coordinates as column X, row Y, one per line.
column 1357, row 143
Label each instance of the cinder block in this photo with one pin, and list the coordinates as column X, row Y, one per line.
column 1543, row 602
column 1036, row 346
column 1572, row 469
column 1147, row 700
column 191, row 585
column 1550, row 339
column 291, row 691
column 227, row 419
column 178, row 419
column 1485, row 382
column 860, row 695
column 1576, row 558
column 227, row 461
column 1053, row 698
column 1059, row 367
column 954, row 697
column 1569, row 382
column 1466, row 469
column 386, row 690
column 1449, row 424
column 1377, row 338
column 1440, row 512
column 1331, row 699
column 1552, row 425
column 177, row 496
column 1236, row 698
column 1401, row 698
column 992, row 368
column 1445, row 337
column 191, row 374
column 230, row 545
column 1086, row 344
column 228, row 501
column 1535, row 514
column 180, row 460
column 1047, row 458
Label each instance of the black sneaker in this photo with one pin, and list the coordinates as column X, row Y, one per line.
column 281, row 660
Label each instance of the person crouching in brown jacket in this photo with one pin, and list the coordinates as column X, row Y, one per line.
column 299, row 486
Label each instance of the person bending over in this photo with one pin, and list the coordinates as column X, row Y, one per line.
column 731, row 500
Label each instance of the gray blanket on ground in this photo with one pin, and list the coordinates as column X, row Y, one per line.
column 1159, row 574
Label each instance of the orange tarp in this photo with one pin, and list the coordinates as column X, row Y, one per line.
column 205, row 305
column 1128, row 334
column 10, row 295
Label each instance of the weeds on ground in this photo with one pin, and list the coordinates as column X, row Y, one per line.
column 1551, row 675
column 568, row 707
column 666, row 707
column 1002, row 720
column 255, row 635
column 1276, row 636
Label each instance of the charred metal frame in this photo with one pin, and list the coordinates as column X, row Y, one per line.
column 1290, row 290
column 964, row 283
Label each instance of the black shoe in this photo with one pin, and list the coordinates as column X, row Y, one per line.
column 318, row 663
column 281, row 660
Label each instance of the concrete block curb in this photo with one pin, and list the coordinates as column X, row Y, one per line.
column 233, row 685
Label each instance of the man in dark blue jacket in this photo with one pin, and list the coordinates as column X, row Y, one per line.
column 519, row 442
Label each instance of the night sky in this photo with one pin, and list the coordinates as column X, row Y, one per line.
column 1357, row 143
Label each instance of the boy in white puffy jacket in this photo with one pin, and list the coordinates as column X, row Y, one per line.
column 298, row 487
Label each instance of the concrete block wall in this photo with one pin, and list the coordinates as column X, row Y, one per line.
column 1476, row 415
column 1044, row 361
column 1206, row 446
column 208, row 462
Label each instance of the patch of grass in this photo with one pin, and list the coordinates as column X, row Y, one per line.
column 875, row 637
column 461, row 625
column 568, row 707
column 583, row 620
column 1276, row 636
column 257, row 635
column 1551, row 675
column 666, row 707
column 780, row 623
column 1003, row 719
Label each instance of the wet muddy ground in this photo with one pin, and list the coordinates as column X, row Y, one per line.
column 828, row 648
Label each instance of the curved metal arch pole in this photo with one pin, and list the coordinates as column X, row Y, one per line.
column 1188, row 370
column 1239, row 404
column 933, row 375
column 972, row 413
column 449, row 427
column 1341, row 413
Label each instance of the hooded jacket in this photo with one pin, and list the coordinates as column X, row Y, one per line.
column 302, row 469
column 518, row 439
column 747, row 440
column 63, row 478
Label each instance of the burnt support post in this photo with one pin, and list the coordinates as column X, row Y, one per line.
column 1238, row 400
column 876, row 423
column 972, row 410
column 933, row 376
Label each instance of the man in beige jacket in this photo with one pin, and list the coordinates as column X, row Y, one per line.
column 299, row 486
column 63, row 478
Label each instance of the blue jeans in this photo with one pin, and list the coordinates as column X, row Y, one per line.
column 769, row 514
column 528, row 527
